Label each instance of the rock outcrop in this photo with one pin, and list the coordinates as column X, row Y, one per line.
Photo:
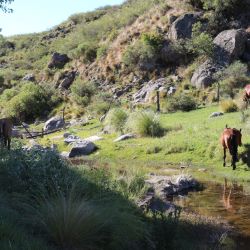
column 58, row 60
column 54, row 123
column 160, row 187
column 65, row 79
column 203, row 77
column 144, row 95
column 181, row 28
column 230, row 45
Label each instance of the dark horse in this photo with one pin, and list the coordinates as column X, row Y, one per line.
column 246, row 95
column 6, row 131
column 231, row 139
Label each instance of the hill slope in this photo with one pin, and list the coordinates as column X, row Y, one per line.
column 117, row 49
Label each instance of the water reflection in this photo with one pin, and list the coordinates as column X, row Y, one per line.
column 228, row 201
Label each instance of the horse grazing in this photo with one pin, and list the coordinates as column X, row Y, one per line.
column 246, row 95
column 6, row 131
column 231, row 139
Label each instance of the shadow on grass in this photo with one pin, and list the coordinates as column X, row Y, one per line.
column 69, row 207
column 245, row 156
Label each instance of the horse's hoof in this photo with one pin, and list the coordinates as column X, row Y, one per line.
column 224, row 165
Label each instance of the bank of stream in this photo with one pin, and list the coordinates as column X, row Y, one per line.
column 229, row 201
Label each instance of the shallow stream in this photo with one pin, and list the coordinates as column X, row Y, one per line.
column 229, row 201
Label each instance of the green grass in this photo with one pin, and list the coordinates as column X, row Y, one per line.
column 192, row 140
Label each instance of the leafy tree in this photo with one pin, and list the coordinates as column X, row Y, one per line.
column 201, row 42
column 4, row 5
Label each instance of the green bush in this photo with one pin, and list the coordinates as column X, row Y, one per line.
column 116, row 119
column 102, row 51
column 236, row 70
column 32, row 101
column 143, row 53
column 228, row 106
column 201, row 43
column 145, row 123
column 82, row 91
column 232, row 78
column 86, row 50
column 180, row 102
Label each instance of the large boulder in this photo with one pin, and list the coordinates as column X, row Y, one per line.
column 203, row 76
column 54, row 123
column 230, row 45
column 58, row 60
column 165, row 185
column 82, row 148
column 181, row 28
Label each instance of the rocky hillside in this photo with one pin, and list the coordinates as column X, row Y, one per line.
column 124, row 54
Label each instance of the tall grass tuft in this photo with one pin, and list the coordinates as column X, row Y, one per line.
column 71, row 223
column 145, row 123
column 116, row 119
column 228, row 106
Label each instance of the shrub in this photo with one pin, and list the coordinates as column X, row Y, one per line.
column 34, row 172
column 236, row 70
column 145, row 123
column 88, row 51
column 180, row 102
column 102, row 51
column 116, row 119
column 143, row 53
column 82, row 92
column 32, row 101
column 201, row 43
column 228, row 106
column 71, row 223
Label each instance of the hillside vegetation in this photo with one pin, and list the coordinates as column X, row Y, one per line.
column 113, row 51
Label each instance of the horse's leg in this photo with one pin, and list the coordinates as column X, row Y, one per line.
column 9, row 140
column 233, row 162
column 224, row 157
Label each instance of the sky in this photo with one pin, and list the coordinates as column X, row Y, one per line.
column 40, row 15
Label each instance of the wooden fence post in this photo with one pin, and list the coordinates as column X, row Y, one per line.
column 158, row 101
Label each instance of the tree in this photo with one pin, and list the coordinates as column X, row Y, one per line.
column 4, row 5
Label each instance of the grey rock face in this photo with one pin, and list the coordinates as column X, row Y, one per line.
column 203, row 77
column 82, row 148
column 58, row 60
column 53, row 124
column 143, row 95
column 230, row 45
column 182, row 26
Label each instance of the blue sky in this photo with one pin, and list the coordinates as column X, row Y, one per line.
column 40, row 15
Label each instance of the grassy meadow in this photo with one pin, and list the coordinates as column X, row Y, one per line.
column 190, row 144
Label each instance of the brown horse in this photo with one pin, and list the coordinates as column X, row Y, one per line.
column 6, row 131
column 246, row 95
column 231, row 139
